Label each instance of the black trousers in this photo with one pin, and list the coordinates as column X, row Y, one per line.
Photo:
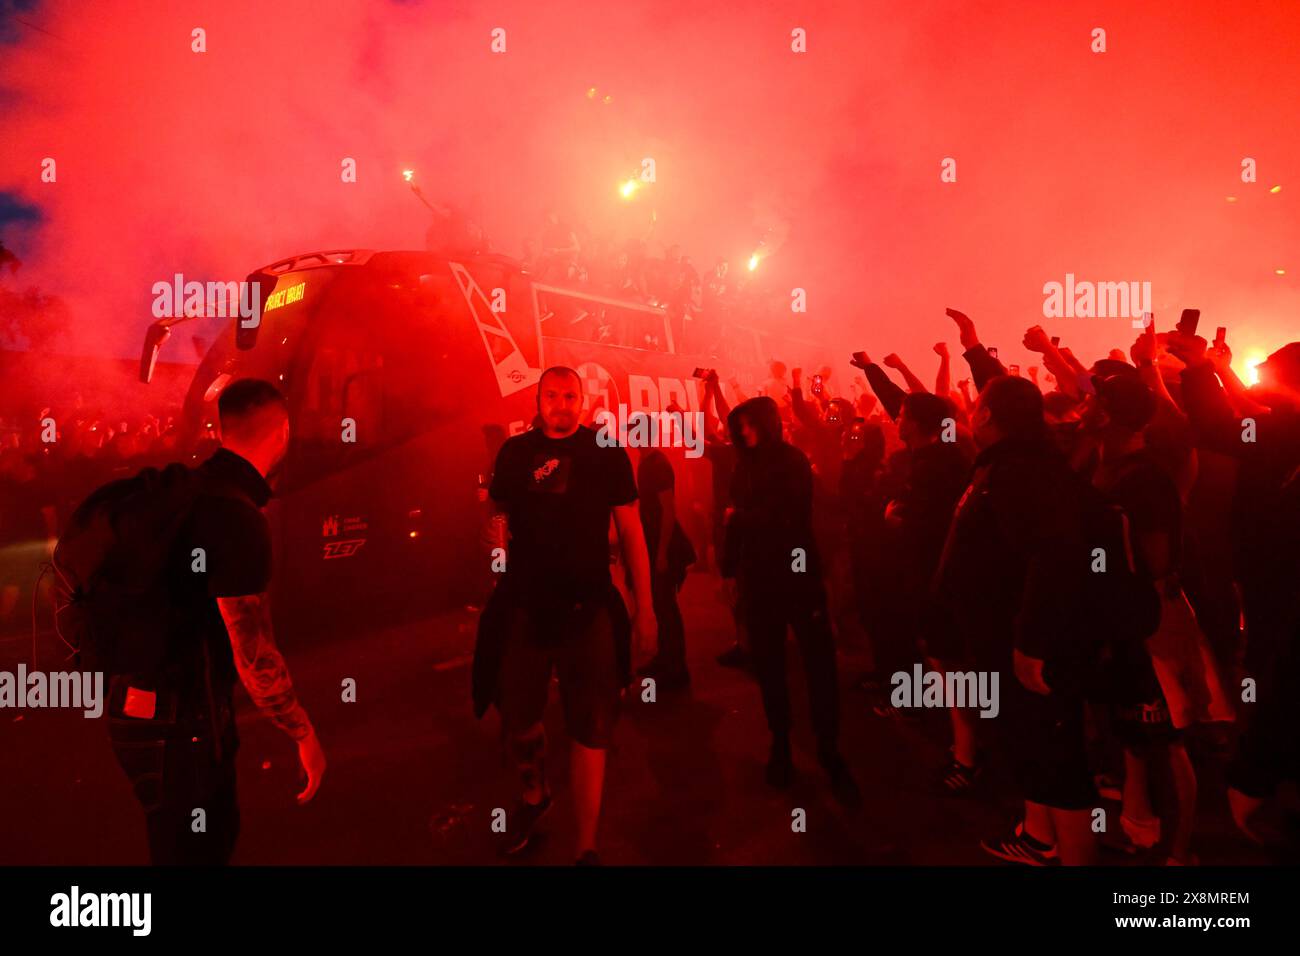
column 672, row 628
column 180, row 762
column 768, row 609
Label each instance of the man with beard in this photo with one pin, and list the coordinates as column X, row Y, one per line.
column 772, row 567
column 556, row 608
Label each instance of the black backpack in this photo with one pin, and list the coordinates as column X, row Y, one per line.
column 1122, row 605
column 113, row 605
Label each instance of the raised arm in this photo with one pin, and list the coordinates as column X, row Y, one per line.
column 806, row 413
column 968, row 400
column 914, row 384
column 1037, row 340
column 982, row 365
column 1216, row 424
column 889, row 394
column 1243, row 405
column 1143, row 354
column 943, row 380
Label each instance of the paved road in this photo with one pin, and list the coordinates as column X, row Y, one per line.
column 413, row 777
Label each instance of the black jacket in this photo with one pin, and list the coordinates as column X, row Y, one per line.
column 938, row 475
column 1010, row 575
column 772, row 502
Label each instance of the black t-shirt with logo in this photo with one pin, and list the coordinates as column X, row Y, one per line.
column 558, row 495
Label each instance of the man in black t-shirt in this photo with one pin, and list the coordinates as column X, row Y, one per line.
column 556, row 607
column 174, row 732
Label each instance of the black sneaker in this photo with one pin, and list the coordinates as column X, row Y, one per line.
column 780, row 764
column 521, row 825
column 590, row 858
column 843, row 787
column 1019, row 847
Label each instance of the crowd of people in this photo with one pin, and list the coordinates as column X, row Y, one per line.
column 1115, row 541
column 49, row 462
column 1109, row 547
column 699, row 301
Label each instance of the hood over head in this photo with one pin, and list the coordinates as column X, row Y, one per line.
column 763, row 414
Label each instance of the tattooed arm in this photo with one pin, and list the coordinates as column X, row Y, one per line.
column 260, row 664
column 266, row 676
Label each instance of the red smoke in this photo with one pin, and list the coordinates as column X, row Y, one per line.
column 1113, row 166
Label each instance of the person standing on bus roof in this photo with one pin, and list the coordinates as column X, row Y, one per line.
column 560, row 249
column 556, row 607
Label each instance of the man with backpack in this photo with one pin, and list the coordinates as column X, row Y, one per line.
column 168, row 575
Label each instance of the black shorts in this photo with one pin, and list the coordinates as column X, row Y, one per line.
column 582, row 652
column 1045, row 743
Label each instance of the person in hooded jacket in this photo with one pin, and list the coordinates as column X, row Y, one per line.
column 772, row 570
